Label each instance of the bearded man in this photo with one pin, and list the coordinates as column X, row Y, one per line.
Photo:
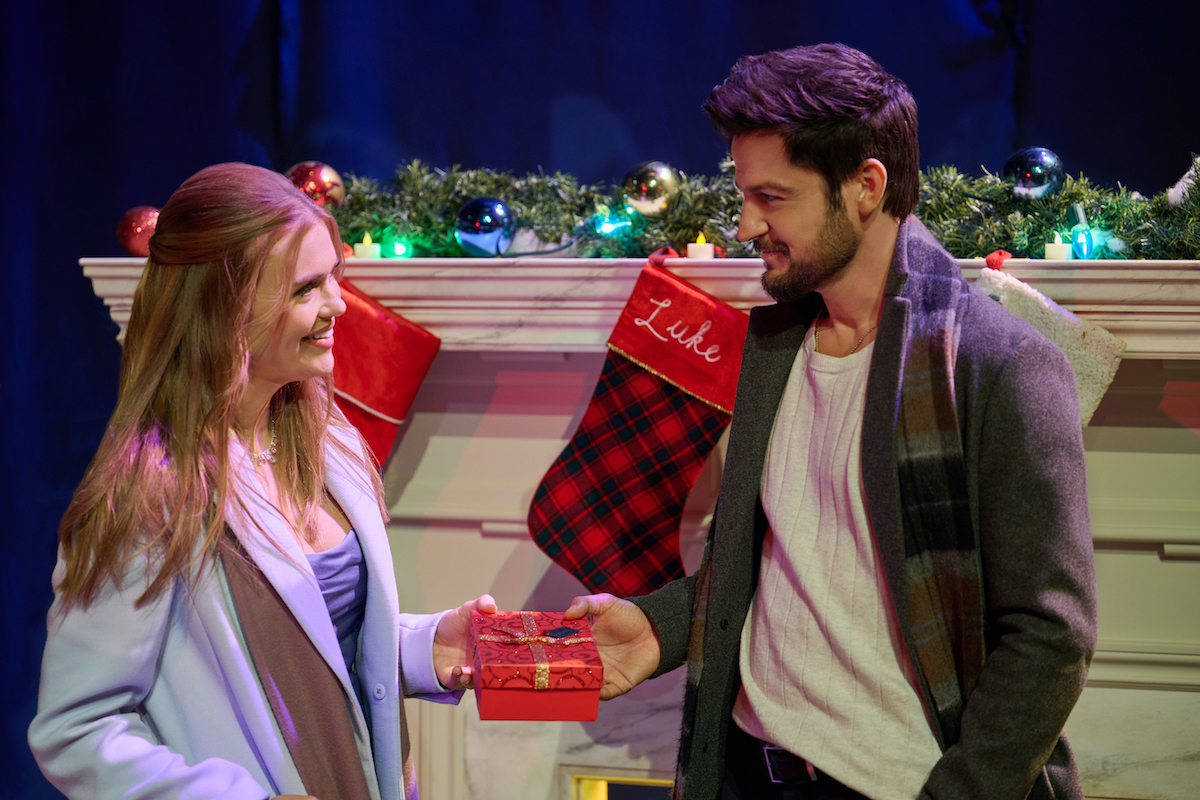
column 897, row 597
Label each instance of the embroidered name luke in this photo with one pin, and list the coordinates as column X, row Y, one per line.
column 693, row 342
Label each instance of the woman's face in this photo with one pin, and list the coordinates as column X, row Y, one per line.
column 300, row 345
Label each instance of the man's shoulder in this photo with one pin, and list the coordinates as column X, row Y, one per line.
column 991, row 334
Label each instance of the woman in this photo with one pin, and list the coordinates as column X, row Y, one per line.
column 226, row 621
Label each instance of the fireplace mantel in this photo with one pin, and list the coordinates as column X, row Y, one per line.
column 571, row 304
column 523, row 343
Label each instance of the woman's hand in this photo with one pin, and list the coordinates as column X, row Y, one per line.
column 452, row 645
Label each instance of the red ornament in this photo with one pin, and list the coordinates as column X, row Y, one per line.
column 135, row 229
column 347, row 250
column 319, row 181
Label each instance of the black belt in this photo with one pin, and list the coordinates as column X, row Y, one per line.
column 780, row 766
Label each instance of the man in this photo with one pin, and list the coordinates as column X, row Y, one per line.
column 897, row 595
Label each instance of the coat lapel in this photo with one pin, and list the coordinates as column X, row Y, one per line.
column 774, row 337
column 267, row 539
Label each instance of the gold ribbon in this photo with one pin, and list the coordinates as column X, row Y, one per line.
column 535, row 641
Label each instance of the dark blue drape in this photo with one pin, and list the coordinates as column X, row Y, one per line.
column 111, row 105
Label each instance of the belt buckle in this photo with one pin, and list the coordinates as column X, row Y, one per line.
column 778, row 766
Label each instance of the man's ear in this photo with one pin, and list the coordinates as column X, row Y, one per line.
column 871, row 185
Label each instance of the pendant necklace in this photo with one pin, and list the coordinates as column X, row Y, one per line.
column 816, row 339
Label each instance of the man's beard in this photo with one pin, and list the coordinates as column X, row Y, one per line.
column 835, row 246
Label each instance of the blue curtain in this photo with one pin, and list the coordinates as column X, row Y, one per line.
column 111, row 105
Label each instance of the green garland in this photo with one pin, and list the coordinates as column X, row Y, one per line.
column 971, row 216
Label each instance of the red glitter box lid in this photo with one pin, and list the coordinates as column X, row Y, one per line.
column 534, row 650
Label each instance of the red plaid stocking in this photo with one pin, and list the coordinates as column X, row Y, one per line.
column 608, row 509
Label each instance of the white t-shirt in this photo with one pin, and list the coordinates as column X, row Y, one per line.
column 824, row 673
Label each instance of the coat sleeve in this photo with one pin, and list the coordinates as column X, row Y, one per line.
column 89, row 736
column 417, row 674
column 669, row 609
column 1039, row 579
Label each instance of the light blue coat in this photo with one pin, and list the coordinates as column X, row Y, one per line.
column 163, row 701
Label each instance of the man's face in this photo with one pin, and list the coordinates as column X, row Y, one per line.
column 805, row 241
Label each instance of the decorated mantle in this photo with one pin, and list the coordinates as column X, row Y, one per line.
column 523, row 344
column 571, row 305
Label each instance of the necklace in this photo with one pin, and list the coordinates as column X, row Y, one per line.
column 817, row 334
column 269, row 454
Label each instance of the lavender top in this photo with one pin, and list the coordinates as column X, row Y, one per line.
column 342, row 573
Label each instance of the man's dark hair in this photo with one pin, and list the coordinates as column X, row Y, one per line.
column 834, row 106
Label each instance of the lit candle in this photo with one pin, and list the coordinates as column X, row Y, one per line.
column 367, row 249
column 1058, row 250
column 700, row 248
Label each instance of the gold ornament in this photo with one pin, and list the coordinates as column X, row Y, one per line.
column 650, row 187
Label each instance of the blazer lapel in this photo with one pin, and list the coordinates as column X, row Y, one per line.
column 774, row 337
column 268, row 541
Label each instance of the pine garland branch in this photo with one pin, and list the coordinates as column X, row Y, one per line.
column 971, row 216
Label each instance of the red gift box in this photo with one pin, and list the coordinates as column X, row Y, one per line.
column 535, row 665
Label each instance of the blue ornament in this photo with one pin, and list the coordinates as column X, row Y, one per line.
column 485, row 227
column 1037, row 171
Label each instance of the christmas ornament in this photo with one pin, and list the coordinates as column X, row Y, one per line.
column 1037, row 171
column 319, row 181
column 608, row 510
column 135, row 229
column 650, row 187
column 485, row 227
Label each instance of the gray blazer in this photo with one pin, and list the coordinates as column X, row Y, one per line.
column 1022, row 442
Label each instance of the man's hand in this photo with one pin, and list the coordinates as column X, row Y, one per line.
column 627, row 643
column 451, row 644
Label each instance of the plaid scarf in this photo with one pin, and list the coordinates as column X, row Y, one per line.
column 942, row 565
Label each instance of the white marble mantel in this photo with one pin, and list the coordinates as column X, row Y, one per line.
column 571, row 304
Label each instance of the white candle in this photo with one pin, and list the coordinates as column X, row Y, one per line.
column 368, row 249
column 1058, row 250
column 700, row 248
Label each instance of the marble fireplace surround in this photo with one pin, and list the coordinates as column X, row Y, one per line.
column 522, row 345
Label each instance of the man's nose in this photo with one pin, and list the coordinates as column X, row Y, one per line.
column 750, row 225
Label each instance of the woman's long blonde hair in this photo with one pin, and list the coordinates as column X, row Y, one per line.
column 160, row 480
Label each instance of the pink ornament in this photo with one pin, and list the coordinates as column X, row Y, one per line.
column 319, row 181
column 135, row 229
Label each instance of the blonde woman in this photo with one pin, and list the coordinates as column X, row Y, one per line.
column 226, row 621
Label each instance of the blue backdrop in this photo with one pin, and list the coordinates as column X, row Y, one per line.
column 111, row 105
